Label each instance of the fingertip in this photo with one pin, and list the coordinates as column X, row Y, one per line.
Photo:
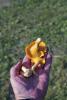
column 49, row 56
column 48, row 63
column 19, row 63
column 25, row 59
column 26, row 62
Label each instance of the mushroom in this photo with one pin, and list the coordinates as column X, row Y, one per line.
column 35, row 52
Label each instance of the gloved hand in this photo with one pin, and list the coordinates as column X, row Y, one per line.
column 34, row 87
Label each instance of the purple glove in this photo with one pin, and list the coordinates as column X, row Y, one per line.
column 34, row 87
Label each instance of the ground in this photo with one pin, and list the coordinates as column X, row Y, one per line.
column 25, row 20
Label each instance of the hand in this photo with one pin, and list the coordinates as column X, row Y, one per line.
column 34, row 87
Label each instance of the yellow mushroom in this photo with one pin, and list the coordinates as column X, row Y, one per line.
column 32, row 51
column 35, row 55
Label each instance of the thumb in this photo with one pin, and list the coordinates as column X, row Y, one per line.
column 48, row 62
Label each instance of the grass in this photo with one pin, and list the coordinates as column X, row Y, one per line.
column 24, row 21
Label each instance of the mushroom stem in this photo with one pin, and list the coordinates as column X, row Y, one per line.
column 28, row 72
column 34, row 66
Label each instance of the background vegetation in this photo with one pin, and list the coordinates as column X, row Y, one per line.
column 25, row 20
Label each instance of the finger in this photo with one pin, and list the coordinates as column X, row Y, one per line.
column 47, row 66
column 14, row 71
column 44, row 77
column 26, row 62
